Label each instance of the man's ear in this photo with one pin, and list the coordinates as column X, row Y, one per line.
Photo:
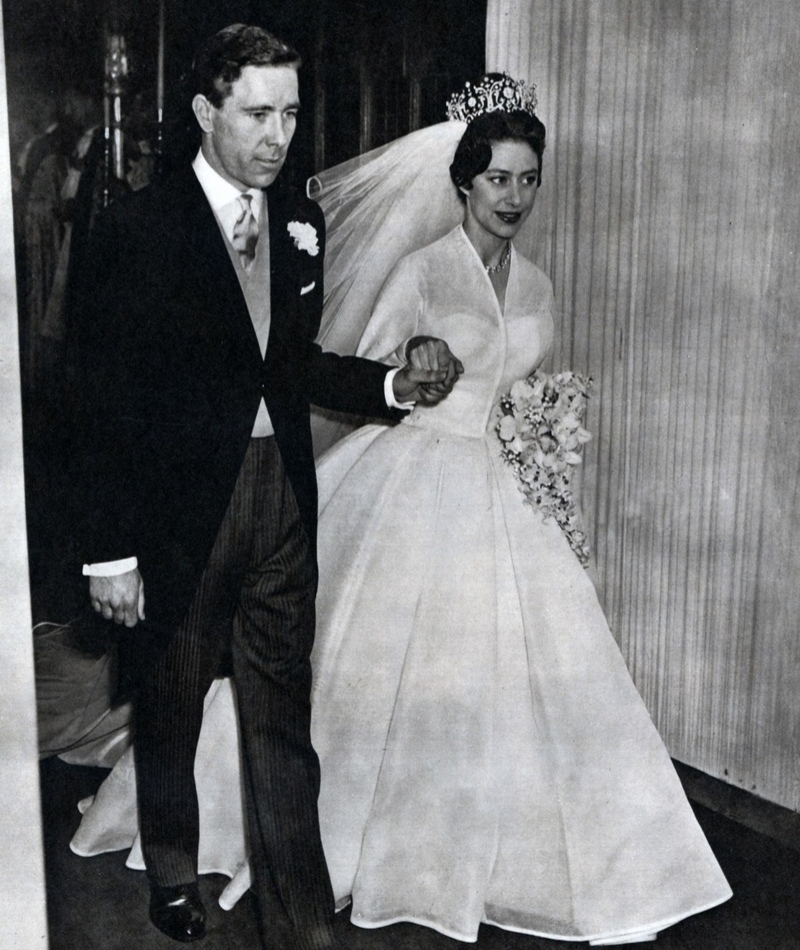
column 202, row 109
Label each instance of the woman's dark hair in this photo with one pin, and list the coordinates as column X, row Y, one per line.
column 221, row 59
column 474, row 153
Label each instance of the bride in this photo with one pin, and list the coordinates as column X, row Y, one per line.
column 485, row 756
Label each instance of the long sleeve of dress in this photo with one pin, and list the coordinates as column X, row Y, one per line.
column 396, row 317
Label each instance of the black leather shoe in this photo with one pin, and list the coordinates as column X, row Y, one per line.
column 178, row 912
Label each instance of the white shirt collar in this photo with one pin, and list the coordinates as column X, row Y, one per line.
column 220, row 192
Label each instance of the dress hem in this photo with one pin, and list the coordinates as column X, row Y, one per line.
column 657, row 927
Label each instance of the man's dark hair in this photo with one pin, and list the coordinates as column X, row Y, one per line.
column 221, row 59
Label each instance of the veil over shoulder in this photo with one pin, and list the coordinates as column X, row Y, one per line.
column 378, row 207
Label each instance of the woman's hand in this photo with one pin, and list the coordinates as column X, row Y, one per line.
column 431, row 372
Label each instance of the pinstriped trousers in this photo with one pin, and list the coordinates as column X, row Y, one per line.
column 256, row 598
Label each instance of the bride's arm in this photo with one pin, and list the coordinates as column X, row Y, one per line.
column 391, row 337
column 395, row 317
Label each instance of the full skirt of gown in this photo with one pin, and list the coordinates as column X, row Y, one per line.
column 485, row 754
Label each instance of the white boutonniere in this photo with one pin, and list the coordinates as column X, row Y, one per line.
column 304, row 236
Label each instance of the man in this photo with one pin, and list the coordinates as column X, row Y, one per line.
column 199, row 322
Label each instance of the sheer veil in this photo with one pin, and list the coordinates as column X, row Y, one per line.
column 378, row 207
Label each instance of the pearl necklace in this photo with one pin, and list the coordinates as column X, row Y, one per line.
column 501, row 265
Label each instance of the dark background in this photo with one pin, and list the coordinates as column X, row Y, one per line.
column 372, row 70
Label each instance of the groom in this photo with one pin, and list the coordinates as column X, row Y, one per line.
column 198, row 487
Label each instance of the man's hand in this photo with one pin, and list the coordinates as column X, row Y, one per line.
column 431, row 373
column 119, row 598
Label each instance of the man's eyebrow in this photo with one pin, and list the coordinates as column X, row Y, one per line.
column 269, row 107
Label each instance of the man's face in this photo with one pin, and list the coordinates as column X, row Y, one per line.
column 247, row 138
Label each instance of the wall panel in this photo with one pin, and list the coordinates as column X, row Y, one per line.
column 668, row 222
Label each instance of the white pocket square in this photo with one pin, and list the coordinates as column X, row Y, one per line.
column 305, row 290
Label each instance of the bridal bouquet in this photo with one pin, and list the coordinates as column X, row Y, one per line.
column 539, row 427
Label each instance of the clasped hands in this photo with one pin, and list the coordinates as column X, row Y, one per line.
column 430, row 374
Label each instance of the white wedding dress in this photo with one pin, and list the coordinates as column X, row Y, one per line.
column 485, row 755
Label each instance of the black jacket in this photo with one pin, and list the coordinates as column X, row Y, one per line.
column 174, row 376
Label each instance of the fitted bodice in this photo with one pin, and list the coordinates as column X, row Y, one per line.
column 443, row 291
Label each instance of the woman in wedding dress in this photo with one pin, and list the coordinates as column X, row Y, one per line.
column 485, row 756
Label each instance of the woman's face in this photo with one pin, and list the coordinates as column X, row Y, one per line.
column 501, row 198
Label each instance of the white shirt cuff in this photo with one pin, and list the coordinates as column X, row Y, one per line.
column 388, row 391
column 110, row 568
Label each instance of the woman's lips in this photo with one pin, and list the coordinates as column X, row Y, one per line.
column 510, row 217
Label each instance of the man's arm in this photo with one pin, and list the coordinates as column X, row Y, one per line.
column 101, row 483
column 357, row 385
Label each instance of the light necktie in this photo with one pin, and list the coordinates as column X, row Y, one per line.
column 245, row 231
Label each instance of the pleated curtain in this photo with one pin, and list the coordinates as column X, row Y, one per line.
column 669, row 222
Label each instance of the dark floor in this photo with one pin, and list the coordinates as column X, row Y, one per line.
column 99, row 903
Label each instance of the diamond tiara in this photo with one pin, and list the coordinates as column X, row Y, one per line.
column 492, row 95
